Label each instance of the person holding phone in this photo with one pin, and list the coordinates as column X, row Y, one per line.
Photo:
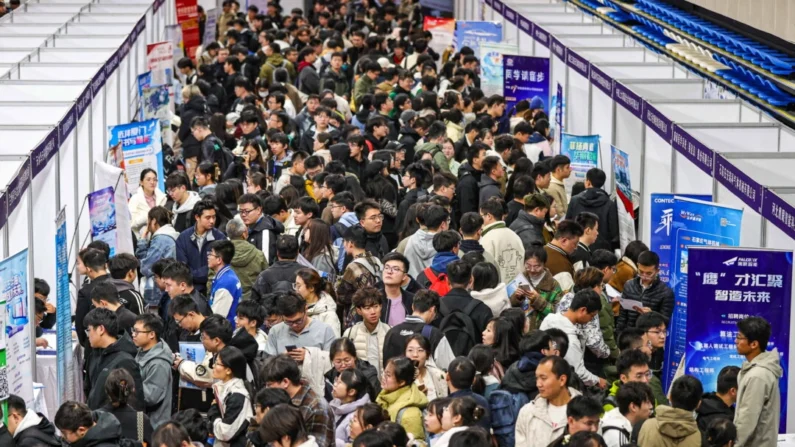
column 298, row 331
column 539, row 296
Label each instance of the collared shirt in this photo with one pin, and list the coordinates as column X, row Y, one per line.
column 590, row 332
column 316, row 334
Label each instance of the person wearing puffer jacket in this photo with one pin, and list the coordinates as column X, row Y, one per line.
column 319, row 298
column 399, row 392
column 147, row 197
column 537, row 147
column 529, row 223
column 159, row 242
column 487, row 287
column 350, row 394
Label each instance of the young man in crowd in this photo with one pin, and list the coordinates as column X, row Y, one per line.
column 459, row 299
column 655, row 295
column 675, row 425
column 635, row 405
column 500, row 241
column 419, row 250
column 368, row 335
column 29, row 428
column 183, row 200
column 719, row 404
column 581, row 258
column 226, row 290
column 193, row 244
column 562, row 246
column 560, row 168
column 263, row 229
column 104, row 295
column 154, row 358
column 597, row 201
column 79, row 425
column 281, row 274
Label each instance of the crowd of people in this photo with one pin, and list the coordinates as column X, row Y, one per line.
column 371, row 252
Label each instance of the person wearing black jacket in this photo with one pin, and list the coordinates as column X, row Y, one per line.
column 82, row 427
column 458, row 298
column 721, row 403
column 5, row 437
column 281, row 274
column 263, row 230
column 105, row 295
column 232, row 71
column 647, row 288
column 194, row 106
column 409, row 136
column 372, row 220
column 595, row 200
column 413, row 179
column 462, row 146
column 376, row 131
column 92, row 263
column 467, row 191
column 29, row 429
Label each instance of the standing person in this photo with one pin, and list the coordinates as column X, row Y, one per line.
column 581, row 258
column 372, row 219
column 319, row 296
column 226, row 289
column 401, row 397
column 469, row 176
column 285, row 425
column 563, row 245
column 595, row 200
column 413, row 178
column 298, row 331
column 369, row 334
column 281, row 275
column 106, row 296
column 604, row 261
column 500, row 241
column 458, row 306
column 419, row 250
column 28, row 428
column 232, row 410
column 94, row 263
column 248, row 261
column 489, row 184
column 647, row 288
column 81, row 427
column 758, row 396
column 159, row 242
column 627, row 267
column 529, row 222
column 154, row 358
column 675, row 425
column 460, row 376
column 145, row 198
column 263, row 230
column 635, row 405
column 632, row 366
column 193, row 244
column 560, row 166
column 350, row 394
column 183, row 200
column 134, row 424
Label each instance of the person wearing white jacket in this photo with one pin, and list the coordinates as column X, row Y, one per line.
column 319, row 302
column 486, row 287
column 635, row 405
column 584, row 307
column 145, row 198
column 544, row 419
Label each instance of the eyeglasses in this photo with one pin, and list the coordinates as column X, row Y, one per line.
column 246, row 212
column 296, row 286
column 179, row 322
column 135, row 332
column 390, row 269
column 293, row 323
column 375, row 218
column 658, row 333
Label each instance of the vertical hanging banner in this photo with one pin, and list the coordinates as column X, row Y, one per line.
column 695, row 223
column 105, row 176
column 491, row 69
column 140, row 147
column 210, row 26
column 583, row 151
column 63, row 311
column 560, row 105
column 188, row 20
column 626, row 207
column 725, row 286
column 16, row 372
column 524, row 78
column 160, row 62
column 102, row 213
column 469, row 32
column 661, row 220
column 442, row 29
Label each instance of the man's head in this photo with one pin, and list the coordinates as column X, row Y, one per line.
column 461, row 373
column 459, row 274
column 220, row 254
column 94, row 262
column 341, row 203
column 304, row 210
column 471, row 225
column 281, row 372
column 633, row 366
column 147, row 330
column 74, row 420
column 105, row 295
column 492, row 167
column 634, row 338
column 752, row 337
column 584, row 306
column 552, row 377
column 16, row 412
column 284, row 426
column 648, row 267
column 560, row 166
column 293, row 308
column 250, row 208
column 172, row 434
column 276, row 207
column 123, row 266
column 595, row 178
column 475, row 155
column 496, row 104
column 567, row 235
column 654, row 324
column 205, row 174
column 444, row 184
column 605, row 261
column 216, row 332
column 102, row 327
column 493, row 210
column 200, row 128
column 367, row 302
column 425, row 305
column 287, row 247
column 204, row 215
column 266, row 399
column 236, row 230
column 635, row 401
column 177, row 279
column 185, row 313
column 582, row 414
column 727, row 383
column 686, row 393
column 590, row 227
column 250, row 315
column 541, row 174
column 446, row 241
column 369, row 214
column 396, row 267
column 436, row 218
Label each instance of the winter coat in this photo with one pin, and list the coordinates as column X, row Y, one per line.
column 558, row 260
column 467, row 190
column 625, row 271
column 359, row 335
column 434, row 380
column 759, row 401
column 34, row 430
column 575, row 354
column 409, row 138
column 658, row 296
column 264, row 234
column 341, row 85
column 196, row 258
column 343, row 415
column 557, row 190
column 620, row 429
column 162, row 244
column 458, row 299
column 413, row 400
column 455, row 131
column 409, row 199
column 230, row 418
column 395, row 341
column 6, row 440
column 529, row 228
column 496, row 298
column 444, row 439
column 247, row 263
column 488, row 188
column 672, row 427
column 182, row 215
column 597, row 201
column 363, row 86
column 195, row 107
column 270, row 279
column 368, row 370
column 338, row 231
column 139, row 208
column 101, row 362
column 225, row 294
column 128, row 418
column 534, row 426
column 537, row 147
column 274, row 61
column 419, row 251
column 155, row 365
column 308, row 80
column 325, row 310
column 326, row 261
column 712, row 408
column 505, row 247
column 106, row 431
column 521, row 376
column 607, row 326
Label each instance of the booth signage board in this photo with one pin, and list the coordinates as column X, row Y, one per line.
column 497, row 5
column 16, row 373
column 442, row 29
column 160, row 62
column 188, row 19
column 155, row 102
column 583, row 151
column 16, row 189
column 3, row 209
column 559, row 104
column 106, row 175
column 63, row 310
column 727, row 286
column 209, row 26
column 102, row 213
column 558, row 49
column 740, row 184
column 525, row 25
column 577, row 63
column 491, row 69
column 695, row 223
column 702, row 156
column 44, row 152
column 540, row 35
column 661, row 219
column 510, row 15
column 779, row 212
column 628, row 99
column 626, row 208
column 525, row 77
column 601, row 80
column 141, row 148
column 468, row 33
column 658, row 122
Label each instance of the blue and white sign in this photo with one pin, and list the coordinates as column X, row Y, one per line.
column 491, row 66
column 141, row 147
column 525, row 77
column 63, row 310
column 662, row 217
column 468, row 33
column 695, row 223
column 725, row 287
column 583, row 151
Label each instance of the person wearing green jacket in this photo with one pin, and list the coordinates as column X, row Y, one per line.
column 248, row 261
column 605, row 262
column 433, row 145
column 401, row 397
column 274, row 60
column 632, row 366
column 366, row 82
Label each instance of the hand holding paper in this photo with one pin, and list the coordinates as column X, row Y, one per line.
column 631, row 304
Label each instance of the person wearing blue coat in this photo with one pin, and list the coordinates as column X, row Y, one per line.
column 226, row 291
column 193, row 244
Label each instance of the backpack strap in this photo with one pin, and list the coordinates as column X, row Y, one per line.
column 430, row 275
column 636, row 431
column 625, row 435
column 140, row 426
column 471, row 306
column 427, row 330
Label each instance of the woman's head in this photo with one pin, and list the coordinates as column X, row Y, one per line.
column 482, row 356
column 309, row 283
column 317, row 235
column 399, row 372
column 395, row 432
column 230, row 363
column 462, row 412
column 433, row 417
column 518, row 319
column 366, row 417
column 350, row 385
column 148, row 180
column 448, row 147
column 418, row 348
column 486, row 136
column 505, row 341
column 342, row 354
column 588, row 278
column 485, row 276
column 634, row 249
column 119, row 386
column 721, row 432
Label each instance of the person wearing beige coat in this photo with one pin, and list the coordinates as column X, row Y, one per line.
column 139, row 205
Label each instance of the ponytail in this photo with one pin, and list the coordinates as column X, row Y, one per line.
column 119, row 386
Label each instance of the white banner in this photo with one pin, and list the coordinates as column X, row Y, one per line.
column 106, row 175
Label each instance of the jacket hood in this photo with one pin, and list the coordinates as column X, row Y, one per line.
column 440, row 260
column 340, row 409
column 197, row 103
column 768, row 360
column 349, row 219
column 536, row 138
column 340, row 151
column 159, row 351
column 269, row 223
column 324, row 304
column 491, row 294
column 121, row 285
column 167, row 230
column 193, row 198
column 468, row 245
column 519, row 381
column 408, row 131
column 246, row 343
column 712, row 405
column 42, row 430
column 594, row 198
column 485, row 180
column 106, row 430
column 614, row 418
column 675, row 423
column 562, row 323
column 245, row 253
column 423, row 245
column 275, row 59
column 123, row 344
column 401, row 398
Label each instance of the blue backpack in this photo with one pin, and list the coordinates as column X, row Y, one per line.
column 504, row 407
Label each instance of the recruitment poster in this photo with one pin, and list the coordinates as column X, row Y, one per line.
column 442, row 30
column 661, row 220
column 188, row 20
column 141, row 147
column 560, row 106
column 210, row 27
column 469, row 32
column 626, row 207
column 726, row 286
column 63, row 308
column 105, row 176
column 491, row 69
column 583, row 151
column 16, row 373
column 102, row 214
column 695, row 223
column 525, row 77
column 160, row 62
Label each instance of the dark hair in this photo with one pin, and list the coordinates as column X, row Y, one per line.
column 345, row 199
column 160, row 215
column 177, row 179
column 233, row 359
column 471, row 222
column 534, row 342
column 558, row 366
column 602, row 259
column 596, row 176
column 356, row 235
column 720, row 432
column 485, row 276
column 283, row 420
column 72, row 415
column 634, row 249
column 755, row 329
column 182, row 305
column 584, row 439
column 560, row 339
column 650, row 320
column 434, row 216
column 587, row 220
column 105, row 318
column 686, row 393
column 558, row 161
column 252, row 310
column 462, row 373
column 320, row 240
column 147, row 171
column 373, row 438
column 536, row 251
column 482, row 357
column 471, row 437
column 583, row 406
column 93, row 259
column 587, row 278
column 217, row 326
column 469, row 410
column 368, row 296
column 395, row 256
column 630, row 337
column 372, row 414
column 151, row 322
column 629, row 358
column 201, row 206
column 445, row 241
column 588, row 299
column 649, row 259
column 727, row 379
column 404, row 369
column 192, row 422
column 279, row 368
column 287, row 247
column 506, row 341
column 17, row 404
column 494, row 206
column 121, row 264
column 105, row 290
column 224, row 249
column 354, row 379
column 119, row 386
column 568, row 229
column 289, row 304
column 424, row 300
column 633, row 393
column 270, row 397
column 539, row 170
column 458, row 273
column 314, row 281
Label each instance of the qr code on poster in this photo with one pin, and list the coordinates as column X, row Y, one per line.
column 4, row 383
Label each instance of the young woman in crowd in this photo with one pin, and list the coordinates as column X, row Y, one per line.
column 503, row 340
column 367, row 417
column 342, row 354
column 120, row 388
column 350, row 394
column 232, row 408
column 460, row 414
column 401, row 397
column 318, row 248
column 319, row 296
column 489, row 371
column 145, row 198
column 430, row 379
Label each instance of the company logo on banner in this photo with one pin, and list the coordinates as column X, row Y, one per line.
column 525, row 78
column 468, row 33
column 726, row 286
column 695, row 223
column 583, row 151
column 15, row 340
column 626, row 207
column 63, row 311
column 138, row 146
column 102, row 213
column 442, row 30
column 662, row 218
column 491, row 69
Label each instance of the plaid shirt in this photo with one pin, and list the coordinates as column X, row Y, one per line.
column 590, row 332
column 318, row 417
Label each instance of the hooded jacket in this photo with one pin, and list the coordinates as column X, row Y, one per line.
column 537, row 147
column 619, row 431
column 411, row 398
column 673, row 427
column 156, row 374
column 35, row 431
column 343, row 415
column 120, row 354
column 409, row 138
column 163, row 244
column 139, row 208
column 488, row 188
column 234, row 410
column 337, row 231
column 325, row 310
column 182, row 215
column 105, row 433
column 597, row 201
column 467, row 190
column 274, row 61
column 712, row 408
column 341, row 85
column 268, row 280
column 575, row 354
column 658, row 296
column 534, row 427
column 759, row 401
column 496, row 298
column 247, row 263
column 196, row 257
column 505, row 247
column 419, row 251
column 195, row 107
column 128, row 296
column 266, row 242
column 529, row 228
column 521, row 376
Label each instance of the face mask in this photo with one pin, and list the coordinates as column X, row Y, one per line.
column 263, row 94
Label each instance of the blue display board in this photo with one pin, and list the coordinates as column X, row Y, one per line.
column 661, row 221
column 583, row 151
column 525, row 77
column 469, row 32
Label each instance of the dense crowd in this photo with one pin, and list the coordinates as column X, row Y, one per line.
column 357, row 247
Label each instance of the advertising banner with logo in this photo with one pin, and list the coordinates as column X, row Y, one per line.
column 102, row 213
column 16, row 375
column 442, row 29
column 662, row 216
column 525, row 77
column 138, row 146
column 160, row 63
column 491, row 69
column 695, row 223
column 469, row 32
column 188, row 20
column 626, row 207
column 583, row 151
column 63, row 311
column 725, row 286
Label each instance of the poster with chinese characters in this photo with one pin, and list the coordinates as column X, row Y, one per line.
column 491, row 55
column 17, row 353
column 141, row 147
column 102, row 214
column 63, row 311
column 525, row 77
column 696, row 223
column 442, row 29
column 469, row 32
column 727, row 285
column 160, row 62
column 583, row 151
column 625, row 204
column 661, row 218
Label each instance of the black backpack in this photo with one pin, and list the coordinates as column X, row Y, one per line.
column 459, row 328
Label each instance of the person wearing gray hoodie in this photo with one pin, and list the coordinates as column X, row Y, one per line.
column 419, row 249
column 154, row 358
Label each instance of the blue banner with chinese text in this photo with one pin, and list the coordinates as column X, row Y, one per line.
column 661, row 220
column 525, row 77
